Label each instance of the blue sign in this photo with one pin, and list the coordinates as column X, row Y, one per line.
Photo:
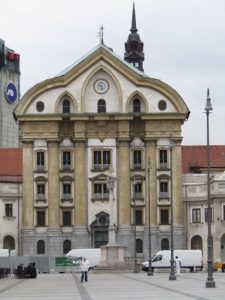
column 11, row 93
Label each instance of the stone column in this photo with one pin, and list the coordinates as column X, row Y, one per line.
column 177, row 184
column 28, row 188
column 124, row 184
column 80, row 185
column 53, row 185
column 151, row 156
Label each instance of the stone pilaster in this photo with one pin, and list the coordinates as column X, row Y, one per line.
column 152, row 183
column 53, row 185
column 80, row 185
column 124, row 202
column 28, row 188
column 177, row 184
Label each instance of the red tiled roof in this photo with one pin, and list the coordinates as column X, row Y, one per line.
column 11, row 162
column 196, row 156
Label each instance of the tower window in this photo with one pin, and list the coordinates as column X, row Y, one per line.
column 101, row 106
column 136, row 106
column 66, row 106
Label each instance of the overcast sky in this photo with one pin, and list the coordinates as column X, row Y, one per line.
column 184, row 46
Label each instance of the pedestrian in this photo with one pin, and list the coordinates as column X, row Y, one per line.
column 84, row 269
column 177, row 265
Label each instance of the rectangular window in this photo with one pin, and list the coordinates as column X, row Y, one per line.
column 164, row 216
column 66, row 160
column 40, row 218
column 102, row 159
column 40, row 160
column 8, row 210
column 196, row 215
column 223, row 212
column 66, row 191
column 101, row 191
column 66, row 218
column 40, row 191
column 163, row 159
column 138, row 217
column 211, row 214
column 163, row 189
column 138, row 190
column 137, row 159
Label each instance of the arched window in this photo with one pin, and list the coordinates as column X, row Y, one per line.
column 196, row 242
column 139, row 246
column 66, row 246
column 101, row 106
column 9, row 242
column 66, row 106
column 41, row 247
column 164, row 244
column 136, row 106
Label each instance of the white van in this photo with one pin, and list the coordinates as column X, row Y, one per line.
column 190, row 259
column 93, row 255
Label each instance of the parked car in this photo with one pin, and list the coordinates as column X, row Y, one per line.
column 219, row 266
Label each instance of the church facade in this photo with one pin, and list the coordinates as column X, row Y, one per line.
column 102, row 121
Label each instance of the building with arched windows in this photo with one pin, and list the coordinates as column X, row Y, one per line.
column 101, row 119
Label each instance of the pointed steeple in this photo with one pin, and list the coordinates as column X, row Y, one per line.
column 133, row 24
column 134, row 46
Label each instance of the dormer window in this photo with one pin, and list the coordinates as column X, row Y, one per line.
column 101, row 106
column 66, row 106
column 136, row 106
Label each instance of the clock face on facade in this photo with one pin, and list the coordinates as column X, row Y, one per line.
column 101, row 86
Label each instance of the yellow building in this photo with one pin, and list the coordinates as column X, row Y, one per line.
column 101, row 118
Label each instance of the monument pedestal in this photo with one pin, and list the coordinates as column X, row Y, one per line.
column 112, row 255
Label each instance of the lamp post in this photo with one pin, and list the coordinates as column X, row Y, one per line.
column 150, row 273
column 210, row 283
column 172, row 272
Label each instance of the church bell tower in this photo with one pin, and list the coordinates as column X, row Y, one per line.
column 134, row 46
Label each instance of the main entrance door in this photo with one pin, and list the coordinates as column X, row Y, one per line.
column 99, row 230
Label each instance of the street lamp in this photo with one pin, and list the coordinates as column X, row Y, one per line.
column 210, row 283
column 150, row 273
column 172, row 272
column 135, row 230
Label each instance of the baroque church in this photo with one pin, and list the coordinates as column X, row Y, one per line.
column 102, row 145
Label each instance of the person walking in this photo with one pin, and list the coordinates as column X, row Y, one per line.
column 84, row 269
column 177, row 265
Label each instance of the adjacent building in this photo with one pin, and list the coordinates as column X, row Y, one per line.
column 10, row 197
column 9, row 95
column 195, row 196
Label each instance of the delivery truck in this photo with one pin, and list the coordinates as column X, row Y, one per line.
column 190, row 259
